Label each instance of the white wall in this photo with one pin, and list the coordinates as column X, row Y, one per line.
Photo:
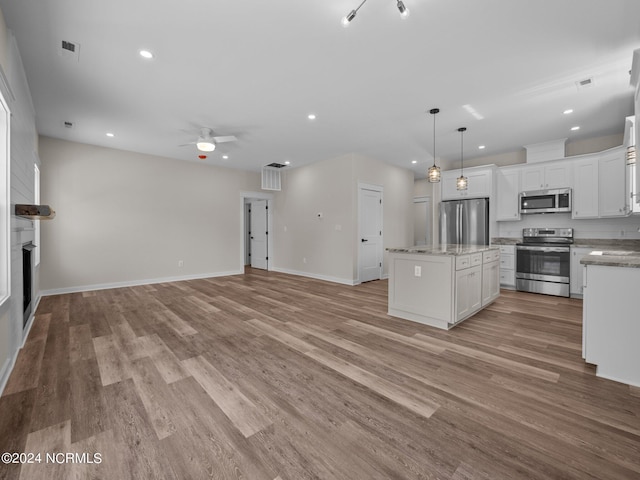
column 24, row 149
column 126, row 218
column 329, row 244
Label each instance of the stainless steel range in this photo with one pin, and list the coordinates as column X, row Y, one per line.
column 543, row 261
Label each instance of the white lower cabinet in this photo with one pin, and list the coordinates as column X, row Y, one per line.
column 508, row 266
column 468, row 291
column 442, row 289
column 490, row 282
column 577, row 270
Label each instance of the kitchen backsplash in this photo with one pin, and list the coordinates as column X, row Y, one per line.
column 619, row 228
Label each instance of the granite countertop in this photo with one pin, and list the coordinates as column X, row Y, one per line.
column 443, row 249
column 612, row 258
column 505, row 240
column 607, row 243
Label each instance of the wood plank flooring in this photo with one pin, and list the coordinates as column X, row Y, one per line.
column 277, row 377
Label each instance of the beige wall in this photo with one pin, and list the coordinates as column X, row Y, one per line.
column 127, row 217
column 7, row 338
column 330, row 187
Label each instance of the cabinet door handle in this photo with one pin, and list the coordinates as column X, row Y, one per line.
column 363, row 240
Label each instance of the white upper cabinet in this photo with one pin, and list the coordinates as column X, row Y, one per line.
column 600, row 185
column 612, row 182
column 480, row 183
column 508, row 191
column 542, row 177
column 585, row 188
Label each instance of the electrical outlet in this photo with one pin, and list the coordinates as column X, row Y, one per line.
column 417, row 271
column 180, row 263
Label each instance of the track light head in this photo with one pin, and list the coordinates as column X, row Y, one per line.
column 347, row 19
column 404, row 11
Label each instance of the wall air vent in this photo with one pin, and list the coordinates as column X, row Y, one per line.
column 584, row 83
column 271, row 177
column 68, row 124
column 69, row 50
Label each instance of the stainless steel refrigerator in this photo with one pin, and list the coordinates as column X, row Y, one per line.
column 465, row 222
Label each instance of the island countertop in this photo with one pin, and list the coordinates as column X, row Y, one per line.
column 443, row 249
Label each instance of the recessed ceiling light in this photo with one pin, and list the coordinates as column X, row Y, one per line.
column 287, row 162
column 568, row 111
column 481, row 147
column 575, row 128
column 109, row 134
column 311, row 116
column 414, row 161
column 146, row 54
column 225, row 157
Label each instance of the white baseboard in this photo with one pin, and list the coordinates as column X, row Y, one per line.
column 134, row 283
column 326, row 278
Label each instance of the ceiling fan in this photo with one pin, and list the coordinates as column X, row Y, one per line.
column 207, row 141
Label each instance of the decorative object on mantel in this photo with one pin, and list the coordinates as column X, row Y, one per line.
column 346, row 20
column 462, row 182
column 34, row 212
column 433, row 174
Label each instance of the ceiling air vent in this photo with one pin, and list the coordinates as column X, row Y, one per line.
column 271, row 177
column 70, row 50
column 276, row 165
column 585, row 83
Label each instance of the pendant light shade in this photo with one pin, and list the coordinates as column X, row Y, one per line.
column 462, row 182
column 433, row 174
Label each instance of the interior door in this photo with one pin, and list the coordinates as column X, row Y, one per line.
column 370, row 241
column 259, row 234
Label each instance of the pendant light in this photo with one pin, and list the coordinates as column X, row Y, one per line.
column 461, row 182
column 433, row 174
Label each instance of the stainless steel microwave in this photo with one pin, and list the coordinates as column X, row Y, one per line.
column 546, row 201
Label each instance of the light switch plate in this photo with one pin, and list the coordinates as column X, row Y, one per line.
column 417, row 271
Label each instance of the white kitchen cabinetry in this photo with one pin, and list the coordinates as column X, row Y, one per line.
column 490, row 276
column 441, row 288
column 468, row 291
column 552, row 175
column 508, row 191
column 508, row 266
column 612, row 193
column 480, row 183
column 577, row 270
column 610, row 323
column 585, row 187
column 600, row 185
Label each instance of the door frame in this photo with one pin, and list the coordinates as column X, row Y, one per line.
column 270, row 240
column 375, row 188
column 427, row 199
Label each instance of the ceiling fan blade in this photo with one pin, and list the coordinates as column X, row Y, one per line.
column 187, row 144
column 226, row 138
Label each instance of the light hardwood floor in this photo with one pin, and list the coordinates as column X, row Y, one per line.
column 271, row 376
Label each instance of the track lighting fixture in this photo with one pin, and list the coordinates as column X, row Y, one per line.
column 346, row 20
column 433, row 174
column 462, row 182
column 404, row 11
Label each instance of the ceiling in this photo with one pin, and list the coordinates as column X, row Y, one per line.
column 256, row 69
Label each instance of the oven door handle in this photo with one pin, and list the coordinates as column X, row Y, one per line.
column 545, row 249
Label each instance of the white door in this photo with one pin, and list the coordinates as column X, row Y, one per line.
column 370, row 241
column 259, row 235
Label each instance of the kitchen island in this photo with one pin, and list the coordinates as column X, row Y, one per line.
column 442, row 285
column 610, row 320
